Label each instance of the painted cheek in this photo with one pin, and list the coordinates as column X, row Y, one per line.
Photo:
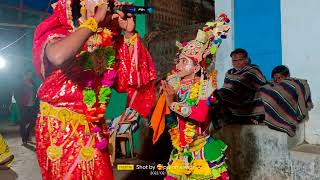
column 188, row 67
column 179, row 65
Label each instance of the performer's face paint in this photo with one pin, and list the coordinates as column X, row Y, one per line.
column 239, row 61
column 186, row 68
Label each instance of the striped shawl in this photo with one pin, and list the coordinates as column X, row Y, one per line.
column 286, row 104
column 239, row 92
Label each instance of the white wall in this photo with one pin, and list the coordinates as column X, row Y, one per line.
column 223, row 58
column 301, row 52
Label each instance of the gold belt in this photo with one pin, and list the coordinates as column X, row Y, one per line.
column 64, row 115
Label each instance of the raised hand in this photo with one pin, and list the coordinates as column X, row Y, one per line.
column 101, row 13
column 126, row 21
column 168, row 91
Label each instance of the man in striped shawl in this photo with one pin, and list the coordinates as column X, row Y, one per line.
column 286, row 101
column 238, row 97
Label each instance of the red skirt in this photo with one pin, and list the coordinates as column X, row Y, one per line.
column 69, row 164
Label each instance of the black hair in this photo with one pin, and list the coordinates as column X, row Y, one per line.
column 284, row 70
column 198, row 74
column 76, row 11
column 240, row 51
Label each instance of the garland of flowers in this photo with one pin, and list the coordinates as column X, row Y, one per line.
column 213, row 76
column 98, row 58
column 212, row 100
column 107, row 80
column 189, row 132
column 192, row 100
column 194, row 94
column 89, row 97
column 175, row 138
column 202, row 89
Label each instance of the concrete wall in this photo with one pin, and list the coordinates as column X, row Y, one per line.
column 257, row 28
column 300, row 51
column 223, row 62
column 254, row 153
column 258, row 152
column 282, row 32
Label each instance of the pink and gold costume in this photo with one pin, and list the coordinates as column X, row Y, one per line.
column 71, row 134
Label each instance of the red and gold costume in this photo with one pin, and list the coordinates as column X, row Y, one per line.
column 71, row 134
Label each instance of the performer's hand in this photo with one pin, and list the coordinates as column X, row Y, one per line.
column 126, row 21
column 101, row 13
column 169, row 92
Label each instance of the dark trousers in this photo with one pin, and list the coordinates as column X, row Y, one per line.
column 28, row 121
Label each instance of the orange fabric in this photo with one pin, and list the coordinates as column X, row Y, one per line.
column 158, row 118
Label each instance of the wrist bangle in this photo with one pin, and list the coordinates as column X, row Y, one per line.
column 91, row 24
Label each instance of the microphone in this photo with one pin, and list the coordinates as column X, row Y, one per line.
column 134, row 9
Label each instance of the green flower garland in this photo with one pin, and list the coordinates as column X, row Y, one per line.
column 89, row 97
column 87, row 61
column 110, row 57
column 104, row 95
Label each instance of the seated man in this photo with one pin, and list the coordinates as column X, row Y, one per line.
column 239, row 100
column 286, row 101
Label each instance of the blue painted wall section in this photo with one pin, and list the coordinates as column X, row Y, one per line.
column 257, row 28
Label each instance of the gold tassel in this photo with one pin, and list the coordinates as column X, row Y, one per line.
column 58, row 166
column 63, row 125
column 53, row 168
column 87, row 130
column 88, row 170
column 83, row 174
column 82, row 177
column 84, row 166
column 47, row 163
column 92, row 165
column 41, row 119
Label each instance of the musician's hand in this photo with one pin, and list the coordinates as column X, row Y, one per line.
column 126, row 21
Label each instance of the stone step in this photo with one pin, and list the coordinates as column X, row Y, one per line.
column 258, row 152
column 305, row 160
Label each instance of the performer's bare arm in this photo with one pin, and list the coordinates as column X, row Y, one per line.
column 62, row 51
